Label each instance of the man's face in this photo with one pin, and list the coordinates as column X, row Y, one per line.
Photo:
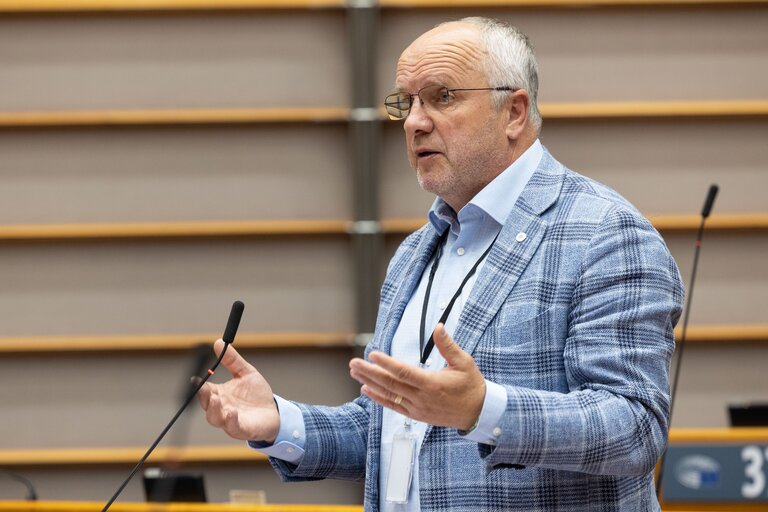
column 457, row 149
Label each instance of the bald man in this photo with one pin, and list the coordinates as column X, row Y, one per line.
column 521, row 354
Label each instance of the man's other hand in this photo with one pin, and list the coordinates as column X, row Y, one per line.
column 450, row 397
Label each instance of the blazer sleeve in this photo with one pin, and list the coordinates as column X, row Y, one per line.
column 619, row 341
column 336, row 442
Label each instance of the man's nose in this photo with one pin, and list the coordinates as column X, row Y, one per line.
column 419, row 118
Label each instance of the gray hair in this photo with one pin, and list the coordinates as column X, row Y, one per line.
column 510, row 61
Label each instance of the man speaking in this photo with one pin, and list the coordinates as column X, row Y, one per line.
column 521, row 353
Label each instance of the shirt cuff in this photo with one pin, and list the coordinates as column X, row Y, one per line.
column 488, row 428
column 291, row 439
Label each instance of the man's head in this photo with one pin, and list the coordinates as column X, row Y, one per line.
column 459, row 134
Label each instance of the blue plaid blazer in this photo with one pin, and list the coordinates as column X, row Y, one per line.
column 576, row 322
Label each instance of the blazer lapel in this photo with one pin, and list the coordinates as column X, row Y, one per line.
column 518, row 241
column 415, row 263
column 514, row 248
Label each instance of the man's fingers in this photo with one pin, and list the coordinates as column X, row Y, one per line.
column 232, row 423
column 204, row 395
column 214, row 413
column 411, row 375
column 386, row 399
column 233, row 361
column 379, row 378
column 387, row 392
column 447, row 347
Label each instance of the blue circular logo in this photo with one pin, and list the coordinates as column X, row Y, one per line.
column 698, row 472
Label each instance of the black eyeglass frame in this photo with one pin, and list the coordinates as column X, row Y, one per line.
column 397, row 95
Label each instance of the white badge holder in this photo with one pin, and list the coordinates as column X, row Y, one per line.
column 401, row 465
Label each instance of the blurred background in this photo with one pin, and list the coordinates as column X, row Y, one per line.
column 160, row 159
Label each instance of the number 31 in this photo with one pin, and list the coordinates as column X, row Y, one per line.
column 753, row 456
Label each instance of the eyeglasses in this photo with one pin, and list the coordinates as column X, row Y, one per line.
column 435, row 97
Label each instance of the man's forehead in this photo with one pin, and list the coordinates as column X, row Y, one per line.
column 443, row 52
column 451, row 31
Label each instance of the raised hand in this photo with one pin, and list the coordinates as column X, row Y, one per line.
column 450, row 397
column 243, row 407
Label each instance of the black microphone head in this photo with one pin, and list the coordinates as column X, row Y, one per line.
column 710, row 200
column 234, row 321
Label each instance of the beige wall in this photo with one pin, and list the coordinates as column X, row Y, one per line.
column 299, row 171
column 186, row 60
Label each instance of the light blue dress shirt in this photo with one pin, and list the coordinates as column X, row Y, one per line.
column 470, row 233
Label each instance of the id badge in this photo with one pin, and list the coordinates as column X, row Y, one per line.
column 401, row 466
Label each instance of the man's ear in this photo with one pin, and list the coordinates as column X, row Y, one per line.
column 516, row 108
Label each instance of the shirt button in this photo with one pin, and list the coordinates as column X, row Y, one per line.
column 290, row 449
column 429, row 362
column 521, row 236
column 497, row 432
column 460, row 251
column 296, row 434
column 443, row 305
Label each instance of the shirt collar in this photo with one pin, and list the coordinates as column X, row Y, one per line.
column 496, row 199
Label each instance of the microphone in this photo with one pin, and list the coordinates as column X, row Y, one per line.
column 705, row 211
column 710, row 201
column 31, row 493
column 165, row 479
column 233, row 323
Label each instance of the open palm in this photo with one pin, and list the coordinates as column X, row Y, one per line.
column 243, row 406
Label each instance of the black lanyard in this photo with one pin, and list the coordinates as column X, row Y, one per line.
column 426, row 351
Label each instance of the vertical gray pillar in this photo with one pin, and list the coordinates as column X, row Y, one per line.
column 365, row 139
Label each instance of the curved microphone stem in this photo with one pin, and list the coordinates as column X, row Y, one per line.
column 31, row 493
column 229, row 336
column 681, row 345
column 141, row 462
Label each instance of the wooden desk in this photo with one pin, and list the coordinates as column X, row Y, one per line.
column 82, row 506
column 89, row 506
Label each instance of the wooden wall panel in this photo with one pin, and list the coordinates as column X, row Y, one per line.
column 712, row 377
column 148, row 174
column 163, row 61
column 114, row 288
column 615, row 54
column 104, row 400
column 732, row 286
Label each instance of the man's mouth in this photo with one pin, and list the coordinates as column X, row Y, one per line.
column 426, row 153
